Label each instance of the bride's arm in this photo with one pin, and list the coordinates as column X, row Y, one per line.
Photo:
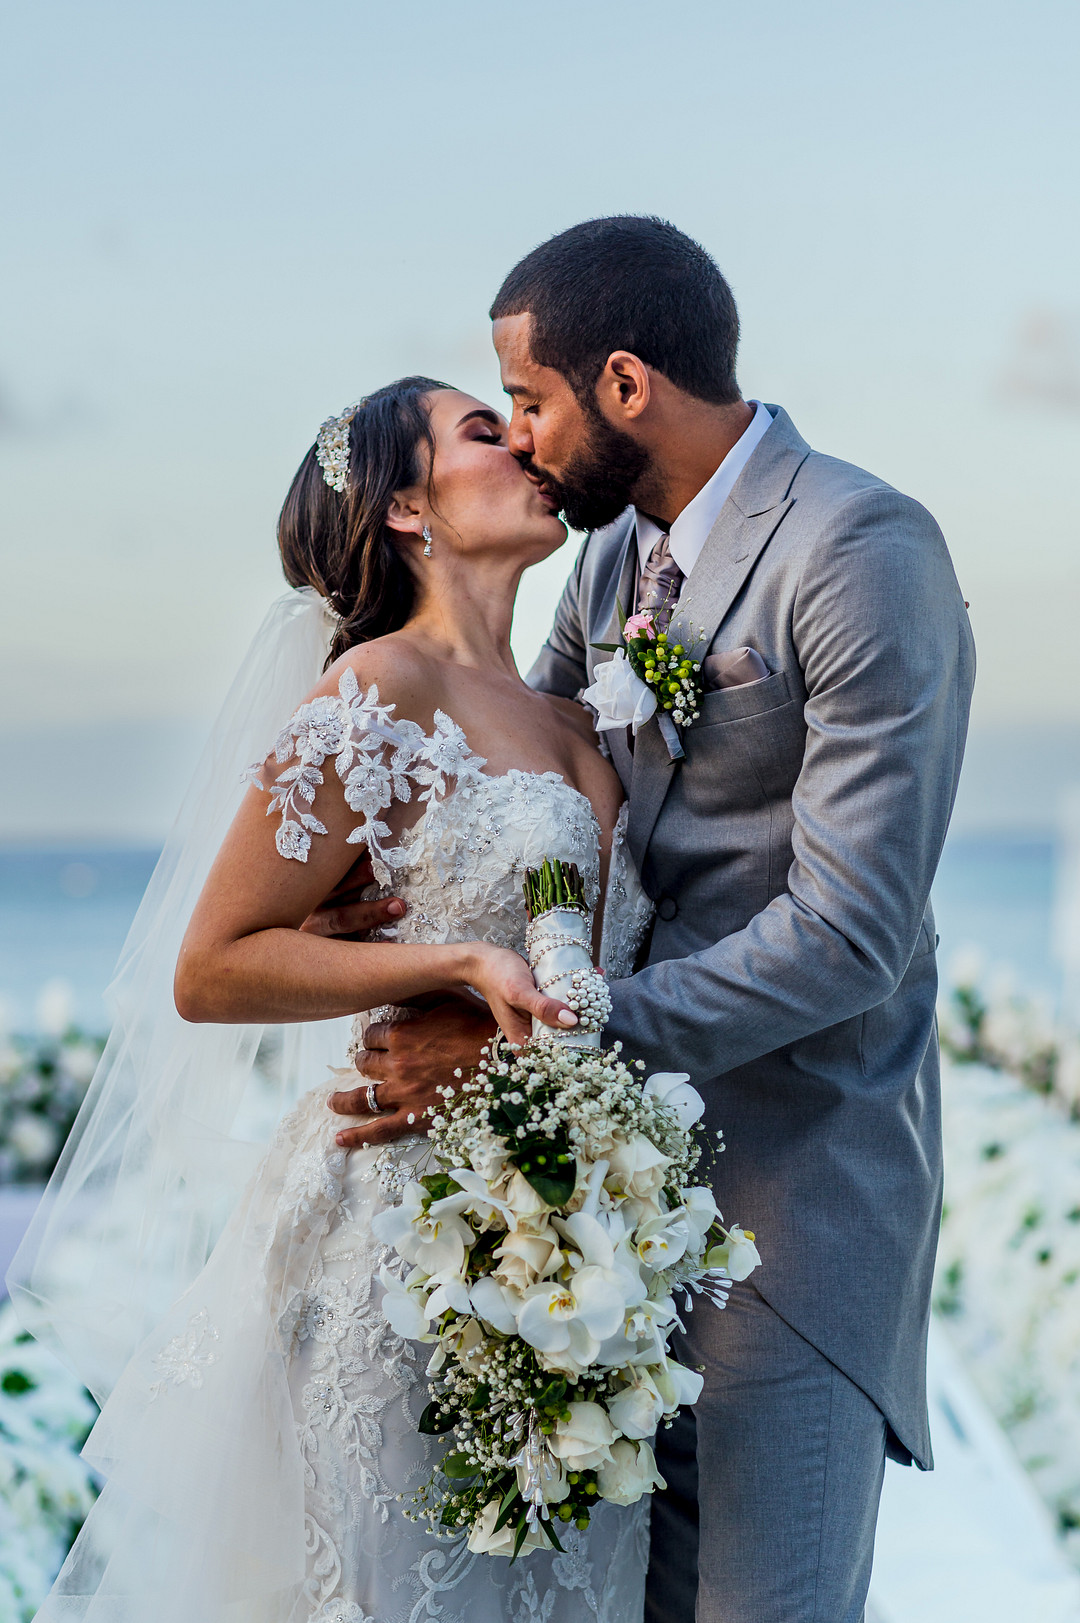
column 245, row 957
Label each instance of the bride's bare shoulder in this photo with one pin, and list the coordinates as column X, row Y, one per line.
column 404, row 675
column 571, row 711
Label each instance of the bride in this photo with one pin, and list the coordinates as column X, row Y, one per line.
column 260, row 1441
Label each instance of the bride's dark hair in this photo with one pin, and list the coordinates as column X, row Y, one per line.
column 339, row 542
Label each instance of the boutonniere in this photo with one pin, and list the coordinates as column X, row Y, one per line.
column 649, row 676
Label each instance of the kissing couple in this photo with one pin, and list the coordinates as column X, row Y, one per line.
column 744, row 734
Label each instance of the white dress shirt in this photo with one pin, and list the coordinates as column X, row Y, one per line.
column 690, row 530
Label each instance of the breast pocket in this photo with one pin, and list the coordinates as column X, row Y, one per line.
column 748, row 699
column 750, row 739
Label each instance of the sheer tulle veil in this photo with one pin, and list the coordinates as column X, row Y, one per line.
column 175, row 1119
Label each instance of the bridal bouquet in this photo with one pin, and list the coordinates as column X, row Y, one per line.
column 545, row 1244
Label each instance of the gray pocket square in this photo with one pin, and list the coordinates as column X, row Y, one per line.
column 732, row 670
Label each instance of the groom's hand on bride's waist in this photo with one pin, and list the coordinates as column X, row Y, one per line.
column 407, row 1061
column 346, row 914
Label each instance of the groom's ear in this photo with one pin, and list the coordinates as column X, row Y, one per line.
column 624, row 387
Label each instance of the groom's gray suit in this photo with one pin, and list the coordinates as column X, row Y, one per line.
column 792, row 971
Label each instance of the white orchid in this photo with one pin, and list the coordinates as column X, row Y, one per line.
column 630, row 1472
column 700, row 1212
column 672, row 1090
column 434, row 1239
column 737, row 1255
column 663, row 1240
column 404, row 1303
column 676, row 1384
column 496, row 1304
column 568, row 1323
column 584, row 1440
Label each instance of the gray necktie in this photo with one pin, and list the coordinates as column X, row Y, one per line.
column 659, row 584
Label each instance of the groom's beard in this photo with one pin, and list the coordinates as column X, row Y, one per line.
column 598, row 481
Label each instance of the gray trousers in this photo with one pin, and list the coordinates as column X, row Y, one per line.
column 773, row 1480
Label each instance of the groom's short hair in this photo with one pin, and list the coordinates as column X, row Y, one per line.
column 631, row 282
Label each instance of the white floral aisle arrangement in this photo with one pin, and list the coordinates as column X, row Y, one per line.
column 1008, row 1277
column 43, row 1081
column 557, row 1221
column 45, row 1489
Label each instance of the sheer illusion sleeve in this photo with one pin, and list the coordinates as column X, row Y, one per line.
column 381, row 761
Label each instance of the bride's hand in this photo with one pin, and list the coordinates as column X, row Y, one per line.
column 504, row 980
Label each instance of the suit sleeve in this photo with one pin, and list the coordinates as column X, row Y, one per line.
column 560, row 667
column 882, row 636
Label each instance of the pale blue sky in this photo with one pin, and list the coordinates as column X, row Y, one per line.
column 225, row 221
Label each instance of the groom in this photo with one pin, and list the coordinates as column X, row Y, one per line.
column 790, row 851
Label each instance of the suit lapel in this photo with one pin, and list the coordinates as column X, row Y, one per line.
column 621, row 590
column 745, row 526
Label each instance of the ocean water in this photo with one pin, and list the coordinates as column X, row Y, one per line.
column 64, row 915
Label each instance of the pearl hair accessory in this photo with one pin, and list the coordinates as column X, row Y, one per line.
column 332, row 448
column 426, row 533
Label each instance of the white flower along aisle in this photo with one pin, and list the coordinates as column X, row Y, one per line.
column 1008, row 1276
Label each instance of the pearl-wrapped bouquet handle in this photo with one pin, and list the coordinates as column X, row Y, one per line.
column 559, row 944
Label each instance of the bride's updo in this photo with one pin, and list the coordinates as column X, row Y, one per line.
column 332, row 531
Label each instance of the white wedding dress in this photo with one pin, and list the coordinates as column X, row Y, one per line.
column 262, row 1446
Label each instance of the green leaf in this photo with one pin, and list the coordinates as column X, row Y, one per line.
column 555, row 1185
column 481, row 1397
column 621, row 613
column 15, row 1381
column 510, row 1503
column 433, row 1423
column 607, row 647
column 457, row 1467
column 522, row 1534
column 550, row 1531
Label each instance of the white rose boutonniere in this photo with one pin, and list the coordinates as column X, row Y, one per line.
column 620, row 698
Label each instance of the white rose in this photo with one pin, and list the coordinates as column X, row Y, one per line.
column 483, row 1540
column 554, row 1481
column 522, row 1198
column 636, row 1410
column 672, row 1089
column 584, row 1441
column 524, row 1258
column 620, row 698
column 630, row 1472
column 636, row 1167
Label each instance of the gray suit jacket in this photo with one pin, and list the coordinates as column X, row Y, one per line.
column 791, row 968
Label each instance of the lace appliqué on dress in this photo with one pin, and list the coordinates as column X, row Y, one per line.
column 182, row 1361
column 379, row 761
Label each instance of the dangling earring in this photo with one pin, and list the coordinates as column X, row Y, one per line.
column 426, row 533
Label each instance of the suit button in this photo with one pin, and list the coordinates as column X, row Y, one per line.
column 667, row 907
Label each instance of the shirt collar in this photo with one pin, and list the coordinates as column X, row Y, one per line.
column 690, row 530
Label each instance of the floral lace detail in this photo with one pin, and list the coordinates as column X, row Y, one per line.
column 183, row 1361
column 628, row 911
column 379, row 761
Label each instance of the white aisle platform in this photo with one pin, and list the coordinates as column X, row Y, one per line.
column 970, row 1542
